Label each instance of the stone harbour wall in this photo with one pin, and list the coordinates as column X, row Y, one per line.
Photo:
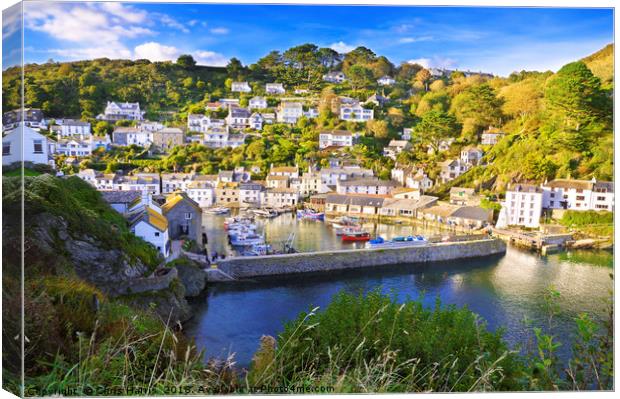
column 255, row 266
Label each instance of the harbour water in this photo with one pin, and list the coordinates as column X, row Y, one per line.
column 505, row 291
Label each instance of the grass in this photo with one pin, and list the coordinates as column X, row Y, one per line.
column 18, row 172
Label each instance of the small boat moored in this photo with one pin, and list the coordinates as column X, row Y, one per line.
column 356, row 236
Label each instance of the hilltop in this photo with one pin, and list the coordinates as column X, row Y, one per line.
column 601, row 64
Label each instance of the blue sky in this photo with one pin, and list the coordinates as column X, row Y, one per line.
column 497, row 40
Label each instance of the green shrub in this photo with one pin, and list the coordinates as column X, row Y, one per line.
column 373, row 344
column 586, row 218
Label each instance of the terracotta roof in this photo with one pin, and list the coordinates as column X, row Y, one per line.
column 276, row 177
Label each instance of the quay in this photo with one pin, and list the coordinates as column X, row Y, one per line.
column 324, row 261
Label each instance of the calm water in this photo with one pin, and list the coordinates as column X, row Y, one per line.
column 503, row 290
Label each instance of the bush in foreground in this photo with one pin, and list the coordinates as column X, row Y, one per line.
column 374, row 344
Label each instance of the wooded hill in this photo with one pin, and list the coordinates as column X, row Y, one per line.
column 557, row 124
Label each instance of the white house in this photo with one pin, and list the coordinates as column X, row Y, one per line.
column 242, row 87
column 150, row 126
column 578, row 195
column 71, row 127
column 522, row 207
column 331, row 176
column 125, row 136
column 471, row 155
column 74, row 147
column 202, row 192
column 36, row 148
column 311, row 113
column 279, row 197
column 171, row 182
column 491, row 136
column 334, row 77
column 395, row 147
column 256, row 121
column 356, row 113
column 451, row 169
column 152, row 227
column 116, row 111
column 289, row 112
column 221, row 137
column 274, row 88
column 146, row 183
column 372, row 186
column 202, row 123
column 250, row 194
column 336, row 138
column 386, row 81
column 257, row 103
column 238, row 118
column 301, row 91
column 406, row 134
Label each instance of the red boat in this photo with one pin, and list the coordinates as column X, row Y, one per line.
column 356, row 236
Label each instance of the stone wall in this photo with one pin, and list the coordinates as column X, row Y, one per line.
column 246, row 267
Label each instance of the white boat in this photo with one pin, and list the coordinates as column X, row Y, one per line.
column 257, row 250
column 265, row 213
column 217, row 211
column 246, row 240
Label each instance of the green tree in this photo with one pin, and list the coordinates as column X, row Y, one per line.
column 186, row 61
column 360, row 77
column 436, row 126
column 576, row 92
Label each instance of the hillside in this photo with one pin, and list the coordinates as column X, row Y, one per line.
column 601, row 64
column 556, row 124
column 81, row 88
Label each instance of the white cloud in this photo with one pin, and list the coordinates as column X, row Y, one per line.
column 210, row 58
column 219, row 31
column 159, row 52
column 170, row 22
column 434, row 62
column 156, row 52
column 127, row 13
column 192, row 22
column 11, row 21
column 414, row 39
column 341, row 47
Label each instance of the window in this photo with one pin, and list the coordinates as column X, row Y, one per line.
column 6, row 148
column 157, row 234
column 38, row 146
column 600, row 198
column 580, row 198
column 188, row 215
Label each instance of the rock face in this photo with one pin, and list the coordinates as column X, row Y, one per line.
column 90, row 261
column 170, row 303
column 192, row 276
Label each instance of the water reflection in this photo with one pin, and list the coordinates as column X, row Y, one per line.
column 503, row 290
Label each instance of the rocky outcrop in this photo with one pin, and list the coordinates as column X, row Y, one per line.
column 91, row 262
column 192, row 276
column 169, row 303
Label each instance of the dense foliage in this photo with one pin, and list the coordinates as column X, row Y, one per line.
column 556, row 124
column 372, row 343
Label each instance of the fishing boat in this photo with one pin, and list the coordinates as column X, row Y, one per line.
column 257, row 250
column 310, row 214
column 217, row 210
column 348, row 229
column 356, row 236
column 246, row 240
column 237, row 221
column 265, row 213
